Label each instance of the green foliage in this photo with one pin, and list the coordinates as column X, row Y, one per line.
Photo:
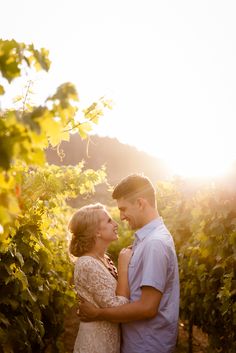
column 14, row 56
column 26, row 133
column 175, row 206
column 204, row 228
column 208, row 268
column 35, row 267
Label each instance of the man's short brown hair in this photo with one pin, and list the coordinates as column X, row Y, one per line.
column 134, row 186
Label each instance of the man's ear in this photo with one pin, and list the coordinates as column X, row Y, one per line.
column 141, row 202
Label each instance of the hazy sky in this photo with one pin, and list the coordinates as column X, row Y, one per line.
column 169, row 67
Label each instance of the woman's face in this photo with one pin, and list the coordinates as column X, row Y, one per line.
column 108, row 228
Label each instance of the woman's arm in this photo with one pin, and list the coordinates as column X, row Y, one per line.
column 122, row 288
column 92, row 280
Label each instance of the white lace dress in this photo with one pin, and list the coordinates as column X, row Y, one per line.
column 95, row 283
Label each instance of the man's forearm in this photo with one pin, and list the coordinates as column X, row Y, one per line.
column 125, row 313
column 144, row 308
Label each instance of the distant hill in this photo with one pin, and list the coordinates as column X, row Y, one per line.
column 120, row 159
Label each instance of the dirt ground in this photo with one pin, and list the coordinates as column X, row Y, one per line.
column 199, row 343
column 200, row 340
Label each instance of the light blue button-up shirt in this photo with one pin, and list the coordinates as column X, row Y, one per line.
column 154, row 263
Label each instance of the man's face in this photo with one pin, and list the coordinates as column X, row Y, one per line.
column 130, row 212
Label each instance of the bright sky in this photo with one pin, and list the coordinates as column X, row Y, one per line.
column 168, row 65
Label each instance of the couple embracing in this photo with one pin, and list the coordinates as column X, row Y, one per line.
column 134, row 308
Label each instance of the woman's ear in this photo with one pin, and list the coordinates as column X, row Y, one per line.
column 98, row 235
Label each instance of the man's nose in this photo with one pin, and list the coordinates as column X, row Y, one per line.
column 122, row 216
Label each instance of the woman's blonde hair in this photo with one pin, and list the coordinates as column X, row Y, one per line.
column 83, row 226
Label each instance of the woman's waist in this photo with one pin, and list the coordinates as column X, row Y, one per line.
column 100, row 325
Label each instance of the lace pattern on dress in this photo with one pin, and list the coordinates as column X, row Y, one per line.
column 95, row 283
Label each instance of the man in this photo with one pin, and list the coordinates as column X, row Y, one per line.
column 150, row 320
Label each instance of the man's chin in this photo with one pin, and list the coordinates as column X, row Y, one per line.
column 132, row 227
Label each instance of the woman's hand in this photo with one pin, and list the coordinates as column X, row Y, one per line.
column 123, row 264
column 124, row 259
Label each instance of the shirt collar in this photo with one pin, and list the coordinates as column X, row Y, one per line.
column 141, row 233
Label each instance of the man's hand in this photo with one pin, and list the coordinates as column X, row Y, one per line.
column 87, row 312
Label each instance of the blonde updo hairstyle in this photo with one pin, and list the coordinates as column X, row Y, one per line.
column 83, row 226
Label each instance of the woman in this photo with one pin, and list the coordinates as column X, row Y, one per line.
column 96, row 278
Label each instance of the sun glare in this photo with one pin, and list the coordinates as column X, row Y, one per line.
column 199, row 168
column 202, row 165
column 203, row 150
